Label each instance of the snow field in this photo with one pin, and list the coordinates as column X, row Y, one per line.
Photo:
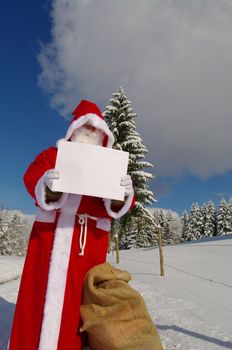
column 10, row 272
column 191, row 306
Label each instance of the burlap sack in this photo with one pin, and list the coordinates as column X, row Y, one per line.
column 114, row 314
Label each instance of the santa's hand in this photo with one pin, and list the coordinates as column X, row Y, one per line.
column 51, row 175
column 127, row 183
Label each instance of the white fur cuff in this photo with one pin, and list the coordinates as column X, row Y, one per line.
column 122, row 211
column 40, row 195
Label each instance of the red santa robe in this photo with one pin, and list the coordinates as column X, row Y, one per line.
column 68, row 237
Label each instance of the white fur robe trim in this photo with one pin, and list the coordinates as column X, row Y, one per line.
column 122, row 211
column 57, row 276
column 40, row 196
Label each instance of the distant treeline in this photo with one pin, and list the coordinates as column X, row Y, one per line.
column 207, row 221
column 14, row 232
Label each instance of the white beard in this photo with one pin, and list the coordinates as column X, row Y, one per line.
column 84, row 135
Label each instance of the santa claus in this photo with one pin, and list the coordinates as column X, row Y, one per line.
column 69, row 236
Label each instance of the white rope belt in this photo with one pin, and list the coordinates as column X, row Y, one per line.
column 83, row 221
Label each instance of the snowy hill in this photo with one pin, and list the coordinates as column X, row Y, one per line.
column 191, row 305
column 171, row 218
column 153, row 210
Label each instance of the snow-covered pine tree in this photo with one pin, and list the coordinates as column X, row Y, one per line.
column 203, row 219
column 172, row 228
column 200, row 214
column 155, row 215
column 5, row 243
column 184, row 225
column 195, row 223
column 229, row 205
column 120, row 117
column 166, row 233
column 13, row 233
column 164, row 226
column 16, row 234
column 132, row 239
column 145, row 233
column 210, row 220
column 223, row 219
column 190, row 230
column 156, row 219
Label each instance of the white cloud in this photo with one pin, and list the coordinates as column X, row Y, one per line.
column 174, row 59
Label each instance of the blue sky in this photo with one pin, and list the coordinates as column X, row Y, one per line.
column 29, row 124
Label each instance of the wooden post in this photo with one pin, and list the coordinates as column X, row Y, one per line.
column 161, row 251
column 117, row 251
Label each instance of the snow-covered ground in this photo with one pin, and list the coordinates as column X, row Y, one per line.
column 10, row 272
column 191, row 306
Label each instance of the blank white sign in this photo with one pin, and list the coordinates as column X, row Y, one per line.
column 90, row 170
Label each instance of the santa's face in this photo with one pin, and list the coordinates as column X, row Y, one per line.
column 88, row 134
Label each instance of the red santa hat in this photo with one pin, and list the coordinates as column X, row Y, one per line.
column 88, row 112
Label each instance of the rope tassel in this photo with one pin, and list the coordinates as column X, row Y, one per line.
column 83, row 219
